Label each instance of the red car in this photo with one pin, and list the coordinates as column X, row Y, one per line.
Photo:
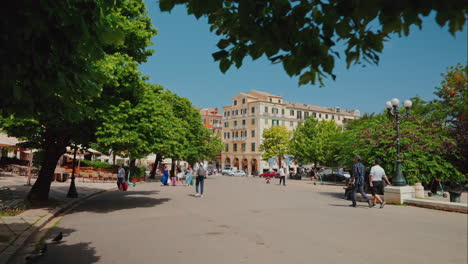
column 270, row 174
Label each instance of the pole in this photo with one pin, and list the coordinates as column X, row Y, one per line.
column 399, row 179
column 72, row 193
column 29, row 168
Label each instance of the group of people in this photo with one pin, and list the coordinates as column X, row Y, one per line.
column 199, row 171
column 377, row 177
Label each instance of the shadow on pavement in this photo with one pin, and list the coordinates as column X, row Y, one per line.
column 338, row 195
column 64, row 252
column 116, row 201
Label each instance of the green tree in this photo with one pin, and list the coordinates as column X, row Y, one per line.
column 424, row 147
column 62, row 110
column 315, row 142
column 304, row 35
column 275, row 143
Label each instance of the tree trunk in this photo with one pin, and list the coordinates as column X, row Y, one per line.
column 279, row 161
column 155, row 166
column 173, row 167
column 55, row 147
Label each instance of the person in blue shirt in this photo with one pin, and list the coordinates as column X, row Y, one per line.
column 165, row 176
column 357, row 180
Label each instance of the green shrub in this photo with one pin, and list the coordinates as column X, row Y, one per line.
column 97, row 164
column 137, row 172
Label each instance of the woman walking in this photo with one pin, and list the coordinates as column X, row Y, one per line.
column 180, row 175
column 188, row 176
column 165, row 176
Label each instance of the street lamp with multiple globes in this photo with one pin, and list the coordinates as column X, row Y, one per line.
column 392, row 110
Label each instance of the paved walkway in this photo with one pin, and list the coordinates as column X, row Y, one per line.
column 14, row 230
column 244, row 220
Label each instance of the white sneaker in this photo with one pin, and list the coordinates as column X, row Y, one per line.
column 197, row 195
column 201, row 196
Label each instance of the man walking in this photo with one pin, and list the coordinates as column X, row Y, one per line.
column 377, row 173
column 282, row 176
column 357, row 179
column 200, row 179
column 120, row 177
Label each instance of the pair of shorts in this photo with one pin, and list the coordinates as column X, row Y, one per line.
column 377, row 188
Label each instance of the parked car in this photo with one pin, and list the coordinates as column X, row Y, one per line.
column 269, row 174
column 333, row 174
column 237, row 173
column 228, row 169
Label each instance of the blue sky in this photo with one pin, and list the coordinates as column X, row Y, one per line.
column 409, row 66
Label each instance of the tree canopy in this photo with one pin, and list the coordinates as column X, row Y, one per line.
column 275, row 143
column 304, row 35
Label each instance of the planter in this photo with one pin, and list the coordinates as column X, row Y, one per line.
column 418, row 190
column 133, row 180
column 455, row 197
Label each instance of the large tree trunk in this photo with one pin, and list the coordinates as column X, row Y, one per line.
column 173, row 167
column 55, row 147
column 155, row 166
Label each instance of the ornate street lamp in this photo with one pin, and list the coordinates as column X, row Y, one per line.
column 392, row 110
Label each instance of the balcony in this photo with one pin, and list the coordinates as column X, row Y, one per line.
column 218, row 125
column 239, row 127
column 239, row 139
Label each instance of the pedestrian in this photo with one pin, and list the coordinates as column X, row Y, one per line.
column 180, row 174
column 165, row 176
column 200, row 179
column 188, row 176
column 120, row 177
column 377, row 174
column 282, row 175
column 357, row 180
column 173, row 176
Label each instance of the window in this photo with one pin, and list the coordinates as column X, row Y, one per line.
column 266, row 121
column 252, row 110
column 271, row 100
column 211, row 121
column 326, row 116
column 333, row 117
column 226, row 147
column 275, row 122
column 338, row 110
column 243, row 147
column 279, row 101
column 235, row 123
column 226, row 124
column 235, row 102
column 320, row 115
column 204, row 121
column 299, row 114
column 306, row 115
column 339, row 117
column 282, row 122
column 291, row 123
column 252, row 133
column 266, row 109
column 274, row 110
column 315, row 115
column 282, row 111
column 253, row 147
column 291, row 113
column 243, row 100
column 237, row 134
column 234, row 146
column 233, row 135
column 253, row 122
column 228, row 113
column 243, row 122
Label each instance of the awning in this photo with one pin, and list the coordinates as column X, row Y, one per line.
column 6, row 141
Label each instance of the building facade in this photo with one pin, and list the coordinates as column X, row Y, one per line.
column 251, row 113
column 212, row 119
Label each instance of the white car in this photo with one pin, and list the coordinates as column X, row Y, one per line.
column 237, row 173
column 228, row 170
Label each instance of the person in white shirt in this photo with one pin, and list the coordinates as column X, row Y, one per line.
column 282, row 176
column 377, row 175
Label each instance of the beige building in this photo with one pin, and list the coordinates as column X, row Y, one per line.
column 252, row 112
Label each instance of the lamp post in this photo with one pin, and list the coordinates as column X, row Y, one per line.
column 393, row 111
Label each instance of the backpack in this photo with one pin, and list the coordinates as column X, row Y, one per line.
column 201, row 170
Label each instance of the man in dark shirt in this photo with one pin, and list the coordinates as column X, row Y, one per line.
column 357, row 179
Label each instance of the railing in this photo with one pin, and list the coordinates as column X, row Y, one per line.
column 239, row 139
column 239, row 127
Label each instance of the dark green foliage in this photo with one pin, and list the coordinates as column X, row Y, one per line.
column 304, row 35
column 97, row 164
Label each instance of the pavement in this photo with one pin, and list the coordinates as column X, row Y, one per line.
column 244, row 220
column 15, row 230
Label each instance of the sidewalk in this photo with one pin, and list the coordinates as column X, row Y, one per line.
column 15, row 230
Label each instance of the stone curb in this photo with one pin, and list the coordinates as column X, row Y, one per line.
column 20, row 240
column 439, row 205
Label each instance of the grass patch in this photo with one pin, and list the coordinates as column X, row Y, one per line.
column 11, row 212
